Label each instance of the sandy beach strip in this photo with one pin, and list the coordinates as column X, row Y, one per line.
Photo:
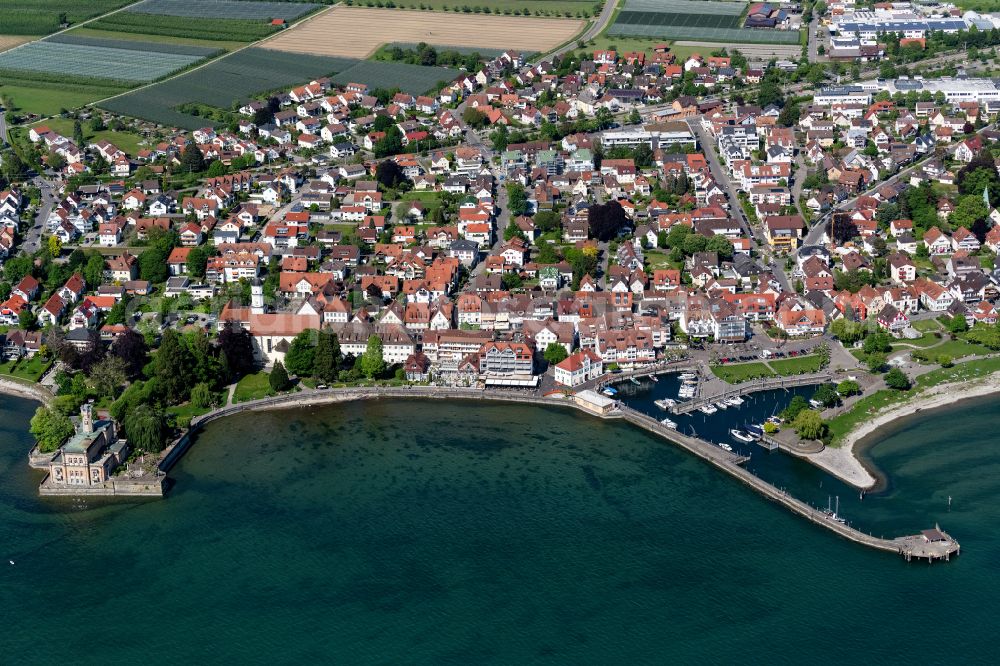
column 843, row 462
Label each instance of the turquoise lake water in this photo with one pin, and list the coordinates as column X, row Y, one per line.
column 431, row 533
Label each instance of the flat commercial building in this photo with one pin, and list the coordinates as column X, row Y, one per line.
column 954, row 89
column 654, row 135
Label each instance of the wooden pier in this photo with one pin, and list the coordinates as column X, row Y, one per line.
column 745, row 388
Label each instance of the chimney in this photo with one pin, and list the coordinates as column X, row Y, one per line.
column 87, row 419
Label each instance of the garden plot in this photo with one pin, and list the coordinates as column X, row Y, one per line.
column 98, row 62
column 686, row 19
column 226, row 9
column 235, row 77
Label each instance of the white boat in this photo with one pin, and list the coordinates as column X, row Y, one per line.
column 722, row 404
column 735, row 401
column 688, row 376
column 725, row 447
column 653, row 379
column 634, row 380
column 670, row 424
column 774, row 419
column 740, row 436
column 662, row 404
column 708, row 409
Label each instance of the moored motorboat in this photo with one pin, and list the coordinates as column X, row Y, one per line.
column 739, row 435
column 708, row 409
column 670, row 424
column 725, row 447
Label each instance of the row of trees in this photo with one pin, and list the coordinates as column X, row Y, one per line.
column 317, row 354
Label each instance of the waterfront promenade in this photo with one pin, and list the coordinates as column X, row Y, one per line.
column 929, row 545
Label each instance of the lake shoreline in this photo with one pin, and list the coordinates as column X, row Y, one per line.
column 850, row 463
column 31, row 392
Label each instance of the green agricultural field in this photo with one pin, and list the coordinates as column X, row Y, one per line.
column 236, row 30
column 224, row 9
column 87, row 31
column 413, row 79
column 230, row 79
column 693, row 20
column 94, row 59
column 562, row 8
column 41, row 17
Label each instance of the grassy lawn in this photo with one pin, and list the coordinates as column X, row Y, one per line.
column 184, row 413
column 430, row 200
column 926, row 340
column 660, row 259
column 127, row 141
column 927, row 325
column 252, row 387
column 51, row 99
column 958, row 349
column 797, row 366
column 741, row 372
column 28, row 369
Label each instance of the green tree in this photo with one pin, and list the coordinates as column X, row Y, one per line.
column 192, row 160
column 517, row 199
column 809, row 425
column 720, row 245
column 878, row 342
column 299, row 358
column 555, row 353
column 897, row 379
column 108, row 376
column 50, row 428
column 826, row 395
column 797, row 405
column 146, row 429
column 958, row 324
column 970, row 212
column 278, row 378
column 78, row 134
column 201, row 395
column 326, row 356
column 848, row 387
column 197, row 261
column 372, row 362
column 93, row 270
column 876, row 361
column 172, row 368
column 500, row 138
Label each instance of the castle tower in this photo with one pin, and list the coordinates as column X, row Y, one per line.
column 87, row 418
column 256, row 297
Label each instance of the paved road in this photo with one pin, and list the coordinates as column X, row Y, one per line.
column 594, row 30
column 720, row 173
column 3, row 126
column 48, row 199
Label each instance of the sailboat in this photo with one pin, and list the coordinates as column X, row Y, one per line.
column 834, row 514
